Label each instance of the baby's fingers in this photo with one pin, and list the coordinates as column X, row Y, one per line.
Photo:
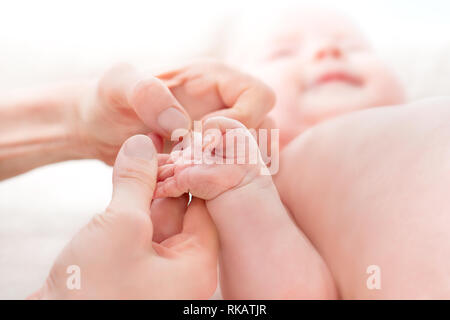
column 166, row 171
column 163, row 158
column 169, row 188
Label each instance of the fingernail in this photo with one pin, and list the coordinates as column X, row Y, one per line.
column 139, row 146
column 172, row 119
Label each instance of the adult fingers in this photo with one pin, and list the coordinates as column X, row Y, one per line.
column 198, row 238
column 147, row 96
column 167, row 216
column 248, row 98
column 134, row 180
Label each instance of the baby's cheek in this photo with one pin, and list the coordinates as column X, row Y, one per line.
column 383, row 85
column 288, row 96
column 389, row 89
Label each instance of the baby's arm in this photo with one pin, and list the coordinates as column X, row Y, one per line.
column 263, row 254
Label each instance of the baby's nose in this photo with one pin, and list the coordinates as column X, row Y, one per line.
column 328, row 51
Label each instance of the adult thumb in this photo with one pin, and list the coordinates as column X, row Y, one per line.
column 134, row 176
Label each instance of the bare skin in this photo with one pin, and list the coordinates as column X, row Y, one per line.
column 354, row 207
column 370, row 188
column 92, row 119
column 263, row 254
column 115, row 253
column 320, row 66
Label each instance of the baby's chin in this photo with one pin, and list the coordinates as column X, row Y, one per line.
column 330, row 101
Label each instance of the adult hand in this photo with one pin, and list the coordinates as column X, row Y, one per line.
column 115, row 253
column 210, row 88
column 126, row 102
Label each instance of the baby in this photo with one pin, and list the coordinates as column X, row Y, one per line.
column 350, row 230
column 350, row 195
column 319, row 64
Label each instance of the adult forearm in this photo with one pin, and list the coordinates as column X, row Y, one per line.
column 39, row 127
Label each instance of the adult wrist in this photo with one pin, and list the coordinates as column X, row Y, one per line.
column 83, row 146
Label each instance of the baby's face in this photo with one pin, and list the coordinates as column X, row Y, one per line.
column 321, row 66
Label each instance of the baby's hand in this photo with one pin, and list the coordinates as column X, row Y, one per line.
column 253, row 226
column 225, row 156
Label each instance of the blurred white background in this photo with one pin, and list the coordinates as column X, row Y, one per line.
column 52, row 40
